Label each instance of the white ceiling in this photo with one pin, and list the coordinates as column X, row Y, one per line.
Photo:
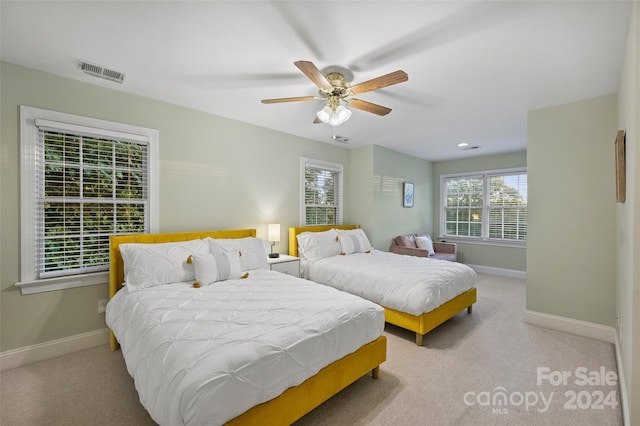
column 475, row 68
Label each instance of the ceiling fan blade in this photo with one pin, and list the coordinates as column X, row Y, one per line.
column 280, row 100
column 380, row 82
column 314, row 74
column 369, row 107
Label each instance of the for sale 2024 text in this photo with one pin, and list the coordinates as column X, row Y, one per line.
column 582, row 376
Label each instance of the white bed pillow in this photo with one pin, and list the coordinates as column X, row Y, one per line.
column 353, row 241
column 149, row 265
column 318, row 245
column 252, row 251
column 219, row 266
column 425, row 242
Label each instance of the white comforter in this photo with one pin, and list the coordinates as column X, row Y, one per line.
column 410, row 284
column 204, row 356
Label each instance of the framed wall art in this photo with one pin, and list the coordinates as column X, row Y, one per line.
column 407, row 201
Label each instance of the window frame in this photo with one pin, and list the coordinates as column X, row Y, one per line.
column 29, row 282
column 486, row 175
column 324, row 165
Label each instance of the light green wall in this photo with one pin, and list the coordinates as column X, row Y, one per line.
column 571, row 214
column 215, row 173
column 627, row 231
column 377, row 177
column 361, row 199
column 390, row 170
column 512, row 258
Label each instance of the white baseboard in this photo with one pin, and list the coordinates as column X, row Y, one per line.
column 569, row 325
column 509, row 273
column 52, row 349
column 624, row 397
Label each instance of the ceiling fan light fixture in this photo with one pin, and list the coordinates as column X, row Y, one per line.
column 324, row 114
column 343, row 113
column 333, row 117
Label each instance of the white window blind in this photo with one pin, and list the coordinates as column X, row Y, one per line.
column 485, row 206
column 508, row 206
column 322, row 193
column 82, row 180
column 88, row 188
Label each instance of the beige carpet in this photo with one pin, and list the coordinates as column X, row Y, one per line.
column 467, row 364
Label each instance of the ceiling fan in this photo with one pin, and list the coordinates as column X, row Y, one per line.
column 336, row 91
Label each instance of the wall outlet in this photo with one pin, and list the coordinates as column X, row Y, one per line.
column 102, row 305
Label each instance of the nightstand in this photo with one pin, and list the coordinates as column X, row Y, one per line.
column 286, row 264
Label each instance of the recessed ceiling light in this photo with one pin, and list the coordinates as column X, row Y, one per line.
column 463, row 144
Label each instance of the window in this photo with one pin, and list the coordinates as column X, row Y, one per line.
column 82, row 181
column 322, row 193
column 489, row 206
column 508, row 207
column 463, row 206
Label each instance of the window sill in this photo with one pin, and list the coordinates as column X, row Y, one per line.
column 62, row 283
column 495, row 243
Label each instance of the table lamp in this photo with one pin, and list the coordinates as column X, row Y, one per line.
column 274, row 237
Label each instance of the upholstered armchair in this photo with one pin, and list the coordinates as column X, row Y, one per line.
column 423, row 246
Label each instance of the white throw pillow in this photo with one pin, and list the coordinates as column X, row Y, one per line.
column 148, row 265
column 219, row 266
column 318, row 245
column 425, row 243
column 252, row 251
column 353, row 241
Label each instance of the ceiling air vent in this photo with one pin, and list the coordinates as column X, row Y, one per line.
column 102, row 72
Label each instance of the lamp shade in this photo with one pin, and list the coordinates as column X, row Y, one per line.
column 274, row 232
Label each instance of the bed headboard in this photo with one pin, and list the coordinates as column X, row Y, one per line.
column 116, row 265
column 293, row 232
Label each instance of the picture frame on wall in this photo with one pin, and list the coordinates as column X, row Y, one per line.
column 621, row 183
column 407, row 200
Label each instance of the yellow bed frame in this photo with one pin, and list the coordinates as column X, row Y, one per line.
column 296, row 401
column 421, row 324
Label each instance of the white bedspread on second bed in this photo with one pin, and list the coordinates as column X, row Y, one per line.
column 204, row 356
column 410, row 284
